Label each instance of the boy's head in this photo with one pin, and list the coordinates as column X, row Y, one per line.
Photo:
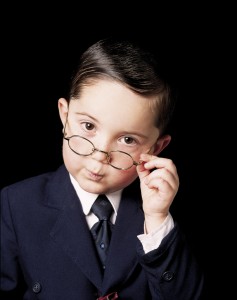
column 117, row 108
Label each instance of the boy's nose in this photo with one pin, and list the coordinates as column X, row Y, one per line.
column 100, row 155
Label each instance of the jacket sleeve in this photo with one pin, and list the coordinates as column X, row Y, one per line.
column 172, row 270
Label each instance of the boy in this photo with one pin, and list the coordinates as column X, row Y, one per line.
column 114, row 127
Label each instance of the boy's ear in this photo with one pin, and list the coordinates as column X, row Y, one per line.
column 161, row 144
column 63, row 109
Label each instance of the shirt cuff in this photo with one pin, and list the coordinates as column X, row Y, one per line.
column 153, row 239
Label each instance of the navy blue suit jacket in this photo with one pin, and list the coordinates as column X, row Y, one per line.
column 47, row 251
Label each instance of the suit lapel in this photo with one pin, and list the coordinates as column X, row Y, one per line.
column 70, row 230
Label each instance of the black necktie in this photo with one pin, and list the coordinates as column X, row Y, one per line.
column 101, row 230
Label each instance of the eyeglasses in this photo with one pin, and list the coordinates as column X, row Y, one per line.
column 117, row 159
column 82, row 146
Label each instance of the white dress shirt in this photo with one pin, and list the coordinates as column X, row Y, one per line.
column 149, row 241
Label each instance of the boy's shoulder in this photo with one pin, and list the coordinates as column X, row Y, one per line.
column 34, row 182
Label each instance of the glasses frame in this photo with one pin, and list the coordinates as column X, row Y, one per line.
column 108, row 154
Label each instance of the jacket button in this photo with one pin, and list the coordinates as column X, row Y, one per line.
column 36, row 288
column 168, row 275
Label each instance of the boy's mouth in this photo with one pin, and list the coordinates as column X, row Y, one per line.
column 94, row 175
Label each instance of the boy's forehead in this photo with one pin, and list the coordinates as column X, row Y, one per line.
column 115, row 104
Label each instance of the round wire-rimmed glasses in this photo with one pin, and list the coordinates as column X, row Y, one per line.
column 117, row 159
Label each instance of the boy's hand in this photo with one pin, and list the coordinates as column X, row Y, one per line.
column 159, row 184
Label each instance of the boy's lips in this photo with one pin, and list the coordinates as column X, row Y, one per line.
column 94, row 175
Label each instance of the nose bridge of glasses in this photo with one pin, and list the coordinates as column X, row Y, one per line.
column 100, row 154
column 102, row 151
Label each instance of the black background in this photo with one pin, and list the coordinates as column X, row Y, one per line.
column 39, row 48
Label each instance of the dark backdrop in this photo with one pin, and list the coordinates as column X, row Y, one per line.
column 39, row 50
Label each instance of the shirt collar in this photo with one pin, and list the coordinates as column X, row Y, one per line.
column 87, row 199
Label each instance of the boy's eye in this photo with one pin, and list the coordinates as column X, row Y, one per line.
column 128, row 140
column 89, row 126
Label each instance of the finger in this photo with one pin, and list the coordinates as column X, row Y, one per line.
column 160, row 184
column 154, row 162
column 142, row 172
column 165, row 175
column 163, row 186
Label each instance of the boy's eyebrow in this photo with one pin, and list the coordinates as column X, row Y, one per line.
column 86, row 115
column 136, row 133
column 124, row 132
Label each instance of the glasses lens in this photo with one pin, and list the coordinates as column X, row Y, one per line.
column 120, row 160
column 80, row 145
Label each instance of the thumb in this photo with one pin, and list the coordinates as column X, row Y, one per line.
column 142, row 172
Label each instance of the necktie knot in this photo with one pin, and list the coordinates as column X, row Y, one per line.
column 102, row 208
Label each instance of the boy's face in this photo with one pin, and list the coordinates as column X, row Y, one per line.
column 112, row 117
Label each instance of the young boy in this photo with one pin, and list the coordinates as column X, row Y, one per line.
column 114, row 127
